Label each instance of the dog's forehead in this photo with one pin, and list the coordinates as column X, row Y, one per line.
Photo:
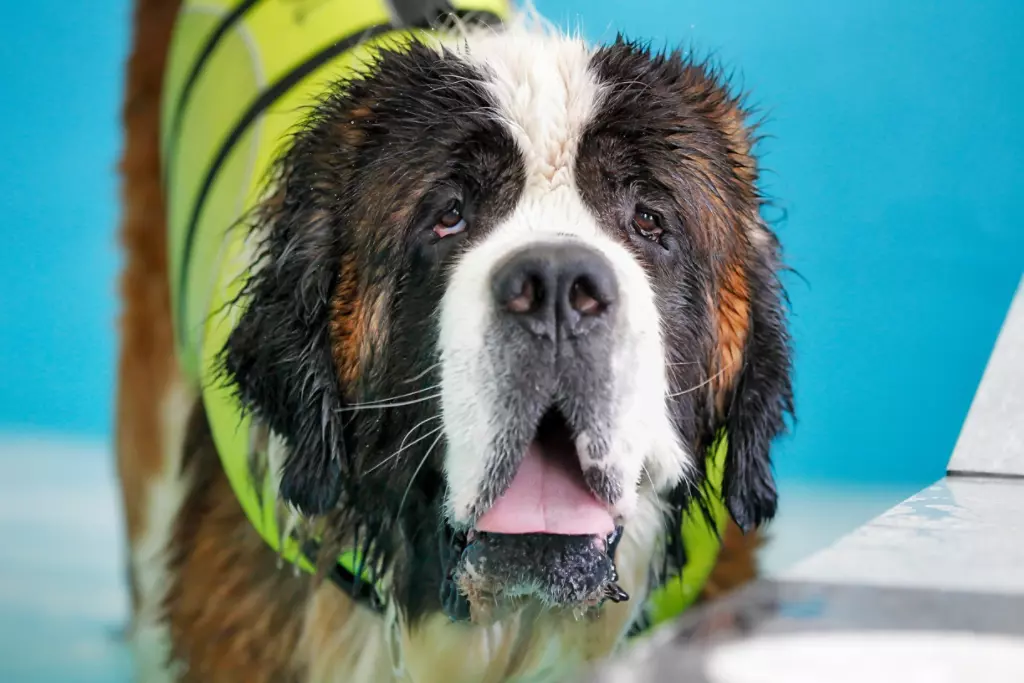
column 545, row 92
column 544, row 89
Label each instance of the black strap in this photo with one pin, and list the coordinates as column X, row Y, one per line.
column 418, row 12
column 212, row 41
column 361, row 591
column 433, row 13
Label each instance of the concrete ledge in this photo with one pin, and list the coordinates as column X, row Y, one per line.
column 992, row 439
column 960, row 534
column 795, row 632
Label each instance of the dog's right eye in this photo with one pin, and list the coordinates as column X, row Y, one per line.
column 451, row 222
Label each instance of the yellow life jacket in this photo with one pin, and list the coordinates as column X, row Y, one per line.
column 240, row 74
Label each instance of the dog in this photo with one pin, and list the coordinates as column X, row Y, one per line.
column 439, row 325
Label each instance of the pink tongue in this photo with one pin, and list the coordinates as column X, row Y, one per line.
column 545, row 498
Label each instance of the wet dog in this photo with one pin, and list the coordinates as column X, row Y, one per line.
column 474, row 316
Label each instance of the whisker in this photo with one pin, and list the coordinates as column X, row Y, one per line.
column 686, row 362
column 395, row 404
column 401, row 504
column 421, row 375
column 643, row 468
column 402, row 446
column 706, row 382
column 392, row 398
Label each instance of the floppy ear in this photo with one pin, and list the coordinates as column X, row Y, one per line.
column 751, row 359
column 279, row 355
column 754, row 341
column 747, row 372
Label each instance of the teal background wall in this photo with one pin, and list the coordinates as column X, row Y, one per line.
column 895, row 155
column 61, row 72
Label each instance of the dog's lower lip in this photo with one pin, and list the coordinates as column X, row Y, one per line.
column 497, row 570
column 607, row 544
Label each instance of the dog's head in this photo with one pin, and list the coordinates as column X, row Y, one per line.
column 507, row 294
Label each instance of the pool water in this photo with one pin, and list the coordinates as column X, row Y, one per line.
column 63, row 599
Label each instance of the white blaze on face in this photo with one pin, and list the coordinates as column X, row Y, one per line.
column 546, row 95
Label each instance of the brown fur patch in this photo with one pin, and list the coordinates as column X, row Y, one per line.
column 343, row 642
column 730, row 208
column 358, row 324
column 739, row 134
column 147, row 369
column 348, row 321
column 737, row 562
column 351, row 131
column 726, row 223
column 234, row 614
column 732, row 322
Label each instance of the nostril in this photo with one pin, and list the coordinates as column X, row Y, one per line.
column 531, row 292
column 555, row 291
column 585, row 298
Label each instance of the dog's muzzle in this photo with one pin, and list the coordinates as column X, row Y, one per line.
column 543, row 526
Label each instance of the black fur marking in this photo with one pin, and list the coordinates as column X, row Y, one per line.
column 361, row 182
column 614, row 592
column 613, row 541
column 760, row 401
column 666, row 138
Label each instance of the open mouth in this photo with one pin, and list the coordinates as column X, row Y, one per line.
column 548, row 494
column 546, row 537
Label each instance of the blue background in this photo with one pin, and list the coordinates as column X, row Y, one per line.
column 895, row 153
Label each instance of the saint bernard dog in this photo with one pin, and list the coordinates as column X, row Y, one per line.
column 445, row 333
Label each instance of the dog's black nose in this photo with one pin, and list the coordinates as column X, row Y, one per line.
column 555, row 290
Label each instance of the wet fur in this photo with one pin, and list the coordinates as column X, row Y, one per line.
column 210, row 602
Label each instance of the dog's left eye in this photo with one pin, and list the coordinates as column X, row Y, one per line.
column 451, row 222
column 647, row 224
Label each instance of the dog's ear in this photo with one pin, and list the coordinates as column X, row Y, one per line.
column 751, row 363
column 746, row 374
column 279, row 354
column 754, row 352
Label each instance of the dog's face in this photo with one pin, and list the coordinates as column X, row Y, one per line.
column 507, row 294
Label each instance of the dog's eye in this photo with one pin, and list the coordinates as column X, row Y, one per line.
column 451, row 221
column 647, row 224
